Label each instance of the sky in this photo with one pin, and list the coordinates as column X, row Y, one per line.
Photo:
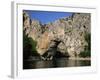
column 46, row 16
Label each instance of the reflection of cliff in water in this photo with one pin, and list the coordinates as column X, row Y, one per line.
column 59, row 62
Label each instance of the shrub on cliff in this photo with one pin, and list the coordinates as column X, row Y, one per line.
column 29, row 46
column 87, row 49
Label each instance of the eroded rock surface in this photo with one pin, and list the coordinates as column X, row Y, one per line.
column 68, row 32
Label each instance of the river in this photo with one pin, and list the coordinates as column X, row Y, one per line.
column 62, row 62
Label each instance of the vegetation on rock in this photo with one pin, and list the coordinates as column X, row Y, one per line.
column 87, row 50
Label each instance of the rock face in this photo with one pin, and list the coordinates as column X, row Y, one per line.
column 66, row 35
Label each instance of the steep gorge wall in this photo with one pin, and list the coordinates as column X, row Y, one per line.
column 69, row 31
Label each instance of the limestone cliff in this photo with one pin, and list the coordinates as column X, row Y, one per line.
column 66, row 35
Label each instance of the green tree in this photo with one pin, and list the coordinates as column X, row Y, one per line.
column 87, row 49
column 29, row 46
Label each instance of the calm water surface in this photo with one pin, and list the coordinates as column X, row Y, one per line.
column 63, row 62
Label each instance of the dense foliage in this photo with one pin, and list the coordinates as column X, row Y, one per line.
column 29, row 46
column 87, row 50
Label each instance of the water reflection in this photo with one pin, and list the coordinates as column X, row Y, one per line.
column 63, row 62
